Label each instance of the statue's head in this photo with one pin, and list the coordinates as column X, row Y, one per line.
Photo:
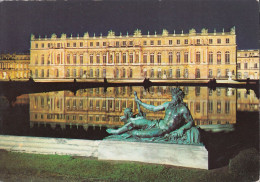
column 177, row 95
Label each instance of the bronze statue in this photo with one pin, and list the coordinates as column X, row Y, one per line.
column 176, row 127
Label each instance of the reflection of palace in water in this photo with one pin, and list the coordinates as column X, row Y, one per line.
column 94, row 107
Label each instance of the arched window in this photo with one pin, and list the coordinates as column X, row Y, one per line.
column 131, row 73
column 152, row 73
column 218, row 57
column 123, row 73
column 197, row 57
column 178, row 73
column 227, row 57
column 91, row 73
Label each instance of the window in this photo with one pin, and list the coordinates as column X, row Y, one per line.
column 136, row 58
column 186, row 41
column 81, row 72
column 43, row 59
column 131, row 58
column 218, row 73
column 186, row 57
column 186, row 73
column 218, row 57
column 36, row 45
column 159, row 58
column 145, row 58
column 97, row 73
column 245, row 65
column 210, row 57
column 48, row 73
column 178, row 73
column 42, row 73
column 36, row 73
column 124, row 43
column 152, row 58
column 210, row 106
column 159, row 42
column 124, row 57
column 74, row 44
column 197, row 57
column 74, row 59
column 91, row 59
column 170, row 57
column 117, row 57
column 81, row 44
column 131, row 73
column 219, row 41
column 131, row 43
column 227, row 57
column 255, row 65
column 197, row 107
column 170, row 73
column 218, row 107
column 170, row 42
column 178, row 57
column 152, row 73
column 68, row 44
column 98, row 58
column 104, row 73
column 104, row 43
column 104, row 58
column 198, row 41
column 227, row 40
column 74, row 73
column 91, row 73
column 123, row 73
column 81, row 59
column 197, row 73
column 197, row 91
column 49, row 45
column 210, row 41
column 210, row 73
column 151, row 42
column 91, row 44
column 42, row 45
column 68, row 73
column 97, row 44
column 58, row 59
column 178, row 41
column 68, row 59
column 58, row 45
column 144, row 43
column 238, row 65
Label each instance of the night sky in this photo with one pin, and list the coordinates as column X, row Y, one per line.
column 19, row 19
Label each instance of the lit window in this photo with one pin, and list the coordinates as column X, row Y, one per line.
column 68, row 59
column 218, row 57
column 227, row 57
column 81, row 59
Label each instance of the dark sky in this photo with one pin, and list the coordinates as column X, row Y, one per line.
column 19, row 19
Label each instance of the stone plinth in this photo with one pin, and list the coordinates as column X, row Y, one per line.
column 170, row 154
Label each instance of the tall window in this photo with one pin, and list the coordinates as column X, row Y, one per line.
column 91, row 73
column 104, row 73
column 137, row 58
column 159, row 74
column 97, row 73
column 68, row 73
column 197, row 73
column 227, row 57
column 145, row 58
column 104, row 58
column 74, row 73
column 227, row 40
column 152, row 58
column 152, row 73
column 68, row 59
column 170, row 73
column 170, row 42
column 36, row 73
column 170, row 57
column 210, row 73
column 74, row 59
column 210, row 106
column 219, row 41
column 210, row 41
column 36, row 59
column 178, row 57
column 130, row 73
column 186, row 57
column 218, row 73
column 245, row 65
column 123, row 73
column 58, row 59
column 186, row 73
column 98, row 59
column 48, row 73
column 159, row 58
column 131, row 58
column 117, row 57
column 238, row 65
column 197, row 57
column 218, row 106
column 91, row 59
column 43, row 59
column 210, row 57
column 124, row 57
column 227, row 107
column 81, row 59
column 42, row 73
column 186, row 41
column 227, row 71
column 218, row 57
column 159, row 42
column 178, row 73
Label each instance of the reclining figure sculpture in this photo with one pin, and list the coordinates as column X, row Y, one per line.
column 176, row 127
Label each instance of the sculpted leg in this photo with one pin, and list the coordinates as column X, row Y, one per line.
column 123, row 129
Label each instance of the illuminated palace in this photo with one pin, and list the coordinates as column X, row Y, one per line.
column 14, row 66
column 166, row 56
column 248, row 64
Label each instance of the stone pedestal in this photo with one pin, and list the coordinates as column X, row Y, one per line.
column 171, row 154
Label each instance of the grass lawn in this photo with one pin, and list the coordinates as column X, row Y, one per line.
column 34, row 167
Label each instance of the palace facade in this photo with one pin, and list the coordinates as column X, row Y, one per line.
column 166, row 56
column 248, row 64
column 14, row 66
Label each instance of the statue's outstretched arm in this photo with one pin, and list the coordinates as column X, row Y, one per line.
column 152, row 107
